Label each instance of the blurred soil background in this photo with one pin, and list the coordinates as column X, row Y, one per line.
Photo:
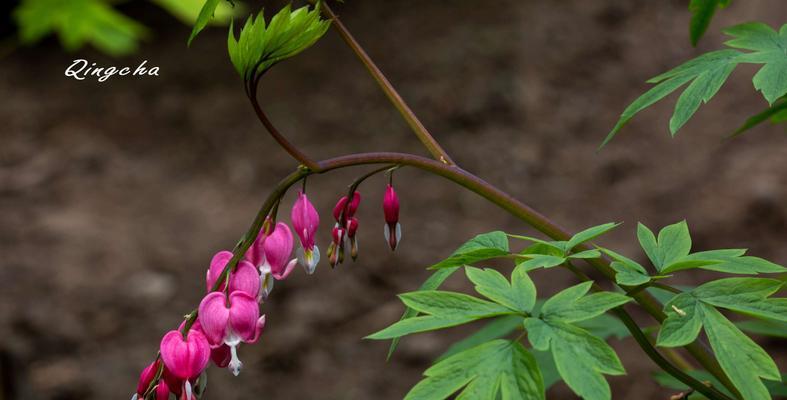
column 114, row 196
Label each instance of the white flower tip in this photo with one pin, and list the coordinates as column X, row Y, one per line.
column 187, row 385
column 134, row 397
column 398, row 233
column 235, row 364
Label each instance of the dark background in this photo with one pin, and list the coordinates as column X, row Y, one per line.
column 114, row 196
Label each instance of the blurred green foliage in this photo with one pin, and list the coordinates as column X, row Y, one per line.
column 98, row 23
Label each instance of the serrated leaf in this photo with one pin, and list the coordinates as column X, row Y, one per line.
column 768, row 47
column 444, row 309
column 433, row 282
column 573, row 304
column 482, row 247
column 701, row 14
column 745, row 265
column 496, row 368
column 590, row 234
column 581, row 358
column 495, row 329
column 586, row 254
column 683, row 323
column 704, row 86
column 673, row 244
column 708, row 71
column 260, row 45
column 745, row 295
column 443, row 303
column 541, row 261
column 742, row 360
column 494, row 286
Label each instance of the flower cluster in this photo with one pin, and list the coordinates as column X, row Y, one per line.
column 229, row 314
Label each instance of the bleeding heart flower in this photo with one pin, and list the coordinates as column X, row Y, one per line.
column 305, row 221
column 187, row 357
column 393, row 231
column 277, row 247
column 220, row 355
column 231, row 322
column 245, row 277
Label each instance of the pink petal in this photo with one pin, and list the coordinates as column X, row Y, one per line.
column 217, row 264
column 244, row 312
column 246, row 278
column 284, row 274
column 185, row 358
column 258, row 331
column 278, row 247
column 256, row 253
column 213, row 316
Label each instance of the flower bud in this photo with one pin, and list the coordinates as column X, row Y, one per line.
column 392, row 230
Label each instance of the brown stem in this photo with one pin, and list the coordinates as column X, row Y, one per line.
column 409, row 116
column 283, row 142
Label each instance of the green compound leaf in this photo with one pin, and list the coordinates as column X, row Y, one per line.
column 701, row 14
column 671, row 253
column 768, row 47
column 581, row 359
column 706, row 73
column 674, row 242
column 519, row 295
column 431, row 283
column 444, row 309
column 259, row 47
column 496, row 369
column 482, row 247
column 573, row 304
column 742, row 359
column 79, row 23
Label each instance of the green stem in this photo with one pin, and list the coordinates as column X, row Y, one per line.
column 409, row 116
